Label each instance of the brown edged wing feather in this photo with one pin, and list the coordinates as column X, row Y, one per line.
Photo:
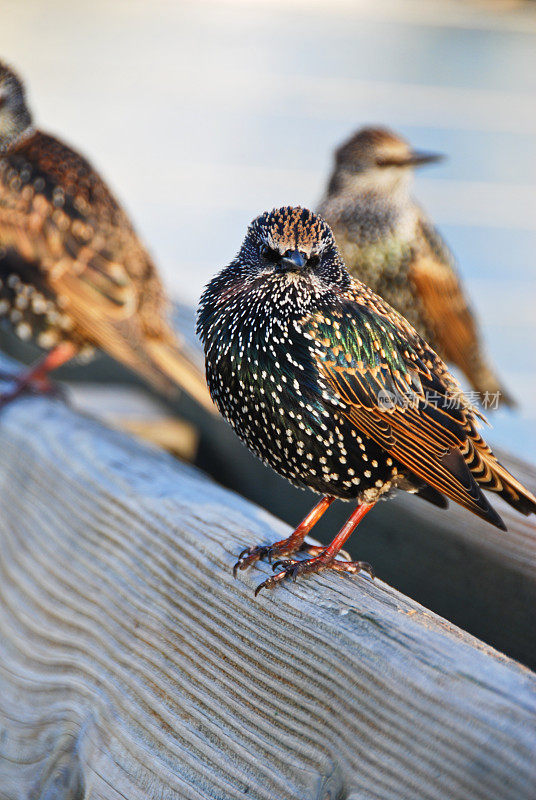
column 447, row 310
column 394, row 388
column 446, row 307
column 58, row 215
column 56, row 211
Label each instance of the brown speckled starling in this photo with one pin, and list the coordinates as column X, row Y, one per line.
column 74, row 275
column 388, row 243
column 335, row 390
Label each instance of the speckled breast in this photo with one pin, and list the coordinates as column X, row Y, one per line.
column 266, row 385
column 26, row 306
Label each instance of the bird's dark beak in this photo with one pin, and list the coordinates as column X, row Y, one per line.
column 417, row 158
column 292, row 261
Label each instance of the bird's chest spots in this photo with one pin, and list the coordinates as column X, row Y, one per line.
column 258, row 385
column 26, row 306
column 265, row 391
column 249, row 376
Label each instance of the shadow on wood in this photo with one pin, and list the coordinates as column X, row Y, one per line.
column 133, row 666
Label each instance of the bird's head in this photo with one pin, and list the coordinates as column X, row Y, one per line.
column 293, row 246
column 288, row 263
column 376, row 159
column 15, row 118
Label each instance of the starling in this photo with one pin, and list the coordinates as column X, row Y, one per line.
column 74, row 276
column 335, row 390
column 387, row 242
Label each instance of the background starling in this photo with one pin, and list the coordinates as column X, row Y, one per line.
column 387, row 242
column 73, row 273
column 336, row 391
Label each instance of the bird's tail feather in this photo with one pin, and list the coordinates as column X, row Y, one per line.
column 491, row 475
column 156, row 359
column 118, row 330
column 434, row 497
column 174, row 366
column 488, row 384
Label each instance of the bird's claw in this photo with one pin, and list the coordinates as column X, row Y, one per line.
column 285, row 563
column 250, row 555
column 292, row 568
column 269, row 583
column 366, row 567
column 23, row 387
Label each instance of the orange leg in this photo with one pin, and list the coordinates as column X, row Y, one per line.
column 37, row 376
column 326, row 559
column 286, row 547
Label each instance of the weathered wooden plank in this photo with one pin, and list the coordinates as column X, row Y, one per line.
column 133, row 410
column 132, row 665
column 453, row 563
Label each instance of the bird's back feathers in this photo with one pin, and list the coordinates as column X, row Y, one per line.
column 58, row 215
column 446, row 306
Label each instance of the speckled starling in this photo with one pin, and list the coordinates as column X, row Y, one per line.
column 387, row 242
column 74, row 275
column 335, row 390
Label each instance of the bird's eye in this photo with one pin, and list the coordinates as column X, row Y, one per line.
column 269, row 254
column 313, row 261
column 387, row 162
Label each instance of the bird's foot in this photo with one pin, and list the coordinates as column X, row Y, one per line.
column 25, row 386
column 317, row 550
column 293, row 568
column 7, row 376
column 292, row 544
column 250, row 555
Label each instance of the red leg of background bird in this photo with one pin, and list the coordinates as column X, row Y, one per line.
column 285, row 547
column 37, row 376
column 327, row 556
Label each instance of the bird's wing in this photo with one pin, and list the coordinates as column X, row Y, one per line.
column 58, row 215
column 78, row 246
column 56, row 212
column 379, row 374
column 444, row 301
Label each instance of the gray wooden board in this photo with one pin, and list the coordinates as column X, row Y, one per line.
column 450, row 561
column 133, row 666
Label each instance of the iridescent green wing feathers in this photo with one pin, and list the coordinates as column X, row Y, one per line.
column 394, row 388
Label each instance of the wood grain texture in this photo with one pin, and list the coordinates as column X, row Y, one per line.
column 133, row 666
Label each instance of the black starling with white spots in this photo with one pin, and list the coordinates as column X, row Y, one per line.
column 387, row 242
column 74, row 275
column 337, row 392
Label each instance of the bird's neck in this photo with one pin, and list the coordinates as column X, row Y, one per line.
column 244, row 312
column 374, row 212
column 389, row 186
column 12, row 142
